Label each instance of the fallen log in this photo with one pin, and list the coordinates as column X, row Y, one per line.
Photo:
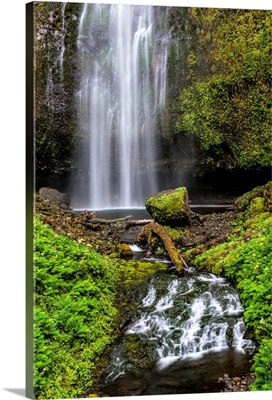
column 138, row 222
column 174, row 255
column 107, row 221
column 91, row 216
column 132, row 222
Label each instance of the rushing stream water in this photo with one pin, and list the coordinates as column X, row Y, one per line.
column 187, row 331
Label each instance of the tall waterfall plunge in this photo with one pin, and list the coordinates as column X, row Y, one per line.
column 122, row 52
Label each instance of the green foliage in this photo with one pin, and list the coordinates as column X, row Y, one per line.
column 227, row 106
column 250, row 265
column 75, row 314
column 263, row 367
column 246, row 258
column 213, row 260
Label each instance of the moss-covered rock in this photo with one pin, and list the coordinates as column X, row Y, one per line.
column 124, row 250
column 268, row 196
column 264, row 191
column 257, row 206
column 170, row 207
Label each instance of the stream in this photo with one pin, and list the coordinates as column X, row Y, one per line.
column 185, row 333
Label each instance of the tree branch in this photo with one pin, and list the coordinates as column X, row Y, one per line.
column 174, row 255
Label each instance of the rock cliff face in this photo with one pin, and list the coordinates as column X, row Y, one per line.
column 55, row 74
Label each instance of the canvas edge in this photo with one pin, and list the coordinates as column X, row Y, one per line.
column 29, row 361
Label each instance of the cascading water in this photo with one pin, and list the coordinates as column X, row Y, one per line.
column 62, row 44
column 123, row 53
column 187, row 324
column 55, row 60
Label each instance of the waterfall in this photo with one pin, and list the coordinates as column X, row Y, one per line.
column 191, row 318
column 55, row 60
column 62, row 42
column 122, row 52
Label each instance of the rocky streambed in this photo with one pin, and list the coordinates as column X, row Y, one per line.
column 103, row 233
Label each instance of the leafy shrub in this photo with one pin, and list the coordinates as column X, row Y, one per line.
column 250, row 267
column 263, row 366
column 74, row 313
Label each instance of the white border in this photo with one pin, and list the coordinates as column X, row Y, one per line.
column 12, row 197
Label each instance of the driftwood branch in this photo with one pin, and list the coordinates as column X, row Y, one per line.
column 174, row 255
column 138, row 222
column 107, row 221
column 116, row 220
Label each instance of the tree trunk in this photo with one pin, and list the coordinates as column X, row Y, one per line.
column 174, row 255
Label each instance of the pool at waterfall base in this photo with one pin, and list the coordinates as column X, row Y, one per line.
column 199, row 376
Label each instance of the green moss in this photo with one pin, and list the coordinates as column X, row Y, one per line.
column 176, row 234
column 124, row 250
column 190, row 255
column 214, row 259
column 226, row 103
column 169, row 207
column 256, row 206
column 263, row 191
column 132, row 343
column 133, row 273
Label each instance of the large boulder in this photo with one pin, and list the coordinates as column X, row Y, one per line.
column 55, row 197
column 170, row 207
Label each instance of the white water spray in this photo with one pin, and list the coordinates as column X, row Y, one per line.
column 62, row 42
column 123, row 59
column 197, row 315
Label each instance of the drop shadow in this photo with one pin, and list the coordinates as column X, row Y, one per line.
column 19, row 392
